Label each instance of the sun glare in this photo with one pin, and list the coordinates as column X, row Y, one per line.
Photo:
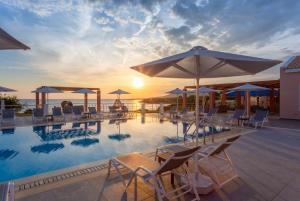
column 138, row 83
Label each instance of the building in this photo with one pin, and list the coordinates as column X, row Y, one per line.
column 290, row 88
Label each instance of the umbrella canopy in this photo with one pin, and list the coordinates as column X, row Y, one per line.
column 84, row 91
column 204, row 90
column 4, row 89
column 9, row 42
column 248, row 87
column 119, row 92
column 45, row 89
column 199, row 62
column 177, row 91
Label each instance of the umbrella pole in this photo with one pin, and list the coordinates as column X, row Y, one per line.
column 197, row 110
column 177, row 105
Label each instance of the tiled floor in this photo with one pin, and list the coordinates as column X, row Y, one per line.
column 267, row 162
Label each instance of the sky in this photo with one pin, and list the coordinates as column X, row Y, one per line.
column 93, row 43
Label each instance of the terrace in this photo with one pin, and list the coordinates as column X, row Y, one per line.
column 266, row 161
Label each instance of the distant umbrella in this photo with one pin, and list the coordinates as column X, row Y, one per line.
column 119, row 92
column 85, row 142
column 248, row 88
column 177, row 92
column 84, row 91
column 8, row 42
column 47, row 148
column 204, row 91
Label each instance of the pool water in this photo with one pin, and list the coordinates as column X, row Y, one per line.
column 27, row 151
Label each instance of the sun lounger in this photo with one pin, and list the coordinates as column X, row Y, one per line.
column 259, row 118
column 8, row 116
column 57, row 114
column 238, row 113
column 78, row 112
column 211, row 113
column 7, row 191
column 38, row 115
column 151, row 172
column 113, row 112
column 206, row 156
column 94, row 112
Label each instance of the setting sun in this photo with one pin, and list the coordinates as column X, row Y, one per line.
column 138, row 83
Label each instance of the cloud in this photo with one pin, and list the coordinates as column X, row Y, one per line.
column 107, row 29
column 102, row 20
column 234, row 23
column 42, row 8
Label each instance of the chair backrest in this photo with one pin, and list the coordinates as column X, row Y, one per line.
column 176, row 160
column 260, row 115
column 56, row 111
column 7, row 191
column 112, row 109
column 212, row 111
column 92, row 110
column 38, row 112
column 77, row 110
column 67, row 110
column 124, row 108
column 238, row 113
column 224, row 145
column 8, row 114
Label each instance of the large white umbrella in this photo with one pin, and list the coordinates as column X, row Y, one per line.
column 204, row 91
column 199, row 62
column 5, row 90
column 8, row 42
column 248, row 88
column 177, row 92
column 85, row 92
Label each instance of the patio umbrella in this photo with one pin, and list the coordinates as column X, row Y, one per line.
column 47, row 90
column 8, row 42
column 177, row 92
column 85, row 92
column 248, row 88
column 204, row 91
column 119, row 92
column 199, row 62
column 3, row 90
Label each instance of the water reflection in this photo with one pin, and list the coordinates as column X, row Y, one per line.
column 118, row 136
column 85, row 142
column 6, row 154
column 56, row 132
column 8, row 131
column 47, row 148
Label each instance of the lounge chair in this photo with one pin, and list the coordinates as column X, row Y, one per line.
column 216, row 163
column 67, row 111
column 124, row 110
column 211, row 113
column 206, row 156
column 173, row 111
column 238, row 113
column 78, row 112
column 151, row 172
column 113, row 112
column 38, row 115
column 259, row 118
column 94, row 112
column 183, row 113
column 7, row 191
column 57, row 114
column 8, row 116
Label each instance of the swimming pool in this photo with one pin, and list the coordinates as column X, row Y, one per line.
column 27, row 151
